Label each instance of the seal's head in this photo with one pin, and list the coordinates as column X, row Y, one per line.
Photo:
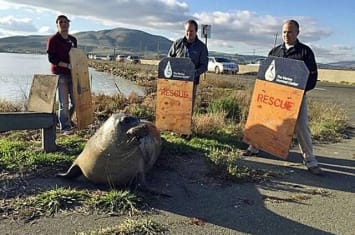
column 118, row 127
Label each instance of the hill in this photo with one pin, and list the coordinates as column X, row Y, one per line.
column 113, row 41
column 126, row 41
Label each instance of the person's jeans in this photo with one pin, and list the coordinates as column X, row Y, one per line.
column 66, row 101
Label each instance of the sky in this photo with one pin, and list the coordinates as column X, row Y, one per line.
column 249, row 27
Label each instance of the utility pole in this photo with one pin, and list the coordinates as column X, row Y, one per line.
column 206, row 33
column 158, row 49
column 275, row 39
column 204, row 74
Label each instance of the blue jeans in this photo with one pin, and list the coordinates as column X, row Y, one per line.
column 66, row 101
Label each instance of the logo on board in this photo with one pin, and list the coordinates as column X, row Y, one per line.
column 270, row 73
column 168, row 72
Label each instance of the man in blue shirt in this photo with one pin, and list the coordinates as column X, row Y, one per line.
column 192, row 47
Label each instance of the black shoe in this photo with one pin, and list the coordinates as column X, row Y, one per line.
column 315, row 170
column 185, row 136
column 248, row 153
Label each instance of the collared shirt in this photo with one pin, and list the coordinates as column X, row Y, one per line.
column 302, row 52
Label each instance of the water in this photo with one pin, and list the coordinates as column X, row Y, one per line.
column 17, row 70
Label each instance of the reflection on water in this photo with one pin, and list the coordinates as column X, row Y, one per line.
column 105, row 83
column 17, row 70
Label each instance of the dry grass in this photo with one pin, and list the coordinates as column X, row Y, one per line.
column 327, row 121
column 209, row 123
column 7, row 106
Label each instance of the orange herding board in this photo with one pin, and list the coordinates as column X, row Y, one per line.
column 272, row 117
column 81, row 87
column 174, row 106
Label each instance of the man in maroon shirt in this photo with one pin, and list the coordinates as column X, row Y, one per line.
column 58, row 47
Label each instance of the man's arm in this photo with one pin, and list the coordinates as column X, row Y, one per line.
column 313, row 70
column 53, row 58
column 203, row 64
column 172, row 50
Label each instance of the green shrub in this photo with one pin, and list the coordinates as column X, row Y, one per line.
column 227, row 105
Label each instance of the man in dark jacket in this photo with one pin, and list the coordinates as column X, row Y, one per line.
column 191, row 46
column 292, row 48
column 58, row 47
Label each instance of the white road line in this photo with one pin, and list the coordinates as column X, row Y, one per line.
column 321, row 89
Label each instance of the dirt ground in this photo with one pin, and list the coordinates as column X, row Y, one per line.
column 292, row 202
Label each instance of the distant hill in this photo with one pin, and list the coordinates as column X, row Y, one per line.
column 25, row 44
column 118, row 40
column 126, row 41
column 343, row 65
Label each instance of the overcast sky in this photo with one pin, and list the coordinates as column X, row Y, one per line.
column 238, row 26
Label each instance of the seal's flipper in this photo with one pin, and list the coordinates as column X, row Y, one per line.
column 73, row 172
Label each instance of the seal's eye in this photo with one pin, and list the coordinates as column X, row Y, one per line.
column 129, row 120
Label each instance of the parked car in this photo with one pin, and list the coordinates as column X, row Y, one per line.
column 133, row 59
column 120, row 58
column 222, row 65
column 109, row 57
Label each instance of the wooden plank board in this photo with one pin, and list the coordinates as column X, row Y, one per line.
column 42, row 94
column 272, row 117
column 26, row 120
column 174, row 106
column 32, row 121
column 81, row 87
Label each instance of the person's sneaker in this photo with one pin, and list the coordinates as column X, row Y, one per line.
column 185, row 136
column 249, row 153
column 68, row 132
column 313, row 167
column 315, row 170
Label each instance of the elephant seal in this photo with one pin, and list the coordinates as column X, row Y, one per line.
column 122, row 150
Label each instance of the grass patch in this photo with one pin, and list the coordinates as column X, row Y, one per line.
column 109, row 104
column 141, row 111
column 327, row 122
column 130, row 227
column 121, row 202
column 228, row 106
column 63, row 199
column 17, row 154
column 6, row 106
column 54, row 201
column 209, row 123
column 14, row 156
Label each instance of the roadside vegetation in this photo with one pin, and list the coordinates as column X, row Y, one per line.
column 218, row 120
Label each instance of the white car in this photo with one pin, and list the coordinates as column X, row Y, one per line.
column 222, row 65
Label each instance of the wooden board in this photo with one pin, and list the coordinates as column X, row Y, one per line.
column 174, row 106
column 42, row 94
column 272, row 117
column 81, row 87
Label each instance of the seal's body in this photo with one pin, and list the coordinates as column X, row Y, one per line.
column 123, row 149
